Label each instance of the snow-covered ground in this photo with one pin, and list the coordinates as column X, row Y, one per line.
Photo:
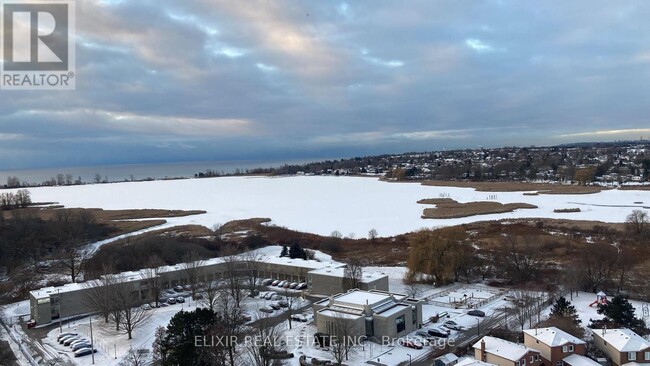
column 586, row 312
column 323, row 204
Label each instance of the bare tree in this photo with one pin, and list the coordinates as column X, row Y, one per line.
column 135, row 357
column 372, row 234
column 128, row 302
column 524, row 304
column 343, row 338
column 73, row 259
column 231, row 318
column 266, row 341
column 152, row 276
column 234, row 277
column 413, row 290
column 352, row 275
column 193, row 270
column 99, row 294
column 251, row 262
column 521, row 258
column 637, row 221
column 211, row 294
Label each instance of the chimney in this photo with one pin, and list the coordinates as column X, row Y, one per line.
column 483, row 355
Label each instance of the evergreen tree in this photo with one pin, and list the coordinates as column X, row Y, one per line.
column 563, row 309
column 297, row 252
column 285, row 251
column 179, row 340
column 620, row 313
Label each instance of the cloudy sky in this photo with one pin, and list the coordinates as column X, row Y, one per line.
column 192, row 80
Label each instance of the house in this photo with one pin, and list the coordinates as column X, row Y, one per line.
column 553, row 344
column 448, row 359
column 579, row 360
column 473, row 362
column 503, row 353
column 371, row 313
column 622, row 346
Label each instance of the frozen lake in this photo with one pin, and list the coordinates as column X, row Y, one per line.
column 323, row 204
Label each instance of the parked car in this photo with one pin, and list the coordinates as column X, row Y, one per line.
column 475, row 312
column 450, row 324
column 178, row 288
column 84, row 352
column 63, row 339
column 266, row 309
column 187, row 287
column 180, row 299
column 410, row 343
column 171, row 301
column 146, row 307
column 275, row 306
column 438, row 332
column 299, row 318
column 283, row 303
column 267, row 282
column 80, row 340
column 64, row 334
column 286, row 284
column 281, row 283
column 246, row 317
column 198, row 296
column 269, row 295
column 509, row 298
column 293, row 285
column 163, row 304
column 301, row 286
column 275, row 282
column 79, row 346
column 70, row 340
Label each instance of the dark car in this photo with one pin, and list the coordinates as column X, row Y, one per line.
column 438, row 332
column 180, row 299
column 478, row 313
column 275, row 306
column 79, row 346
column 84, row 352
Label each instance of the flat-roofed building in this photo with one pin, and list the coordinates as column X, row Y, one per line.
column 371, row 313
column 331, row 280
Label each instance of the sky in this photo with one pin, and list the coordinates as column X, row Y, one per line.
column 206, row 80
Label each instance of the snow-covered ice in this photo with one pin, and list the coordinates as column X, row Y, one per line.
column 323, row 204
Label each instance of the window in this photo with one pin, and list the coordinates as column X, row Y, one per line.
column 570, row 348
column 532, row 359
column 522, row 362
column 414, row 314
column 631, row 356
column 564, row 349
column 559, row 363
column 401, row 323
column 646, row 356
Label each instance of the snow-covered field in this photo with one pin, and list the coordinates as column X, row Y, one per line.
column 324, row 204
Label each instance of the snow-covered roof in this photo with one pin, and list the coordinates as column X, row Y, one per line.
column 580, row 360
column 448, row 358
column 338, row 314
column 502, row 348
column 473, row 362
column 553, row 336
column 338, row 270
column 395, row 309
column 623, row 340
column 362, row 298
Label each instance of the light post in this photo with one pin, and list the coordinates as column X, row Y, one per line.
column 478, row 327
column 58, row 291
column 408, row 354
column 115, row 349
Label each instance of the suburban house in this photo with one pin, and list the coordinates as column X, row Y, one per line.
column 622, row 346
column 579, row 360
column 371, row 313
column 503, row 353
column 553, row 344
column 473, row 362
column 51, row 303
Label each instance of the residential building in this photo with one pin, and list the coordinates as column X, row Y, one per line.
column 579, row 360
column 371, row 313
column 622, row 346
column 553, row 344
column 504, row 353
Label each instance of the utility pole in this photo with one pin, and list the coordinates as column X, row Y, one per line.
column 58, row 291
column 92, row 344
